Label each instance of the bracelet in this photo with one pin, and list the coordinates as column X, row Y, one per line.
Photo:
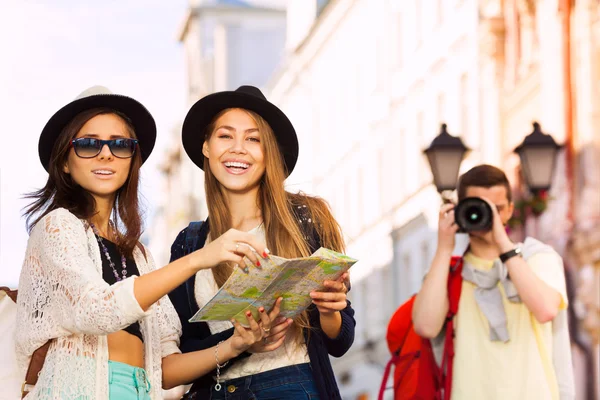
column 218, row 385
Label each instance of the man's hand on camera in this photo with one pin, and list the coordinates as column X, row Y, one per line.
column 499, row 235
column 447, row 228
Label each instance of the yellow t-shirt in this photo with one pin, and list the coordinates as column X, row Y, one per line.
column 489, row 370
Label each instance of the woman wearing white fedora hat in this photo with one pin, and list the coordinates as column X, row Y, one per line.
column 88, row 287
column 247, row 147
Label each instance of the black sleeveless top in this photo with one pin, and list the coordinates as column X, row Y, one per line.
column 109, row 276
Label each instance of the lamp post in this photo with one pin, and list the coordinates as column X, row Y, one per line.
column 445, row 154
column 538, row 153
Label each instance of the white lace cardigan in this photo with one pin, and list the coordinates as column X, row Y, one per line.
column 63, row 298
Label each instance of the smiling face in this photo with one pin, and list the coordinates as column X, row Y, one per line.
column 104, row 174
column 235, row 152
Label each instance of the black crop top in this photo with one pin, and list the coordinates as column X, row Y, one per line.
column 109, row 276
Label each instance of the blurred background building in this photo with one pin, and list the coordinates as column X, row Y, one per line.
column 367, row 84
column 227, row 43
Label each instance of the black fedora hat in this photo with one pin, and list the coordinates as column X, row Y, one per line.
column 250, row 98
column 99, row 97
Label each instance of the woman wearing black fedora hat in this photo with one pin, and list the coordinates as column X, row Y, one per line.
column 247, row 147
column 88, row 287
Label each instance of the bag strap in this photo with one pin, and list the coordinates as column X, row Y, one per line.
column 10, row 293
column 454, row 284
column 35, row 367
column 454, row 290
column 37, row 358
column 386, row 375
column 192, row 236
column 395, row 358
column 191, row 243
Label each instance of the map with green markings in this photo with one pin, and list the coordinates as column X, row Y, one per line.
column 291, row 279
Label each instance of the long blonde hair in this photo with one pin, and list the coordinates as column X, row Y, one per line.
column 284, row 237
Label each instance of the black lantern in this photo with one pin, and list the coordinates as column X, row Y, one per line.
column 538, row 153
column 445, row 153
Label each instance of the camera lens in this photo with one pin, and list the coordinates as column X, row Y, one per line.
column 473, row 214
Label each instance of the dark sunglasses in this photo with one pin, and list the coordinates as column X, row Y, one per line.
column 89, row 147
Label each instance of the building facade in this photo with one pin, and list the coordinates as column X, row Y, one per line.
column 368, row 87
column 548, row 71
column 367, row 84
column 227, row 43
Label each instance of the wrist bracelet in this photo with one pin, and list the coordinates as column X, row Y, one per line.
column 504, row 257
column 218, row 385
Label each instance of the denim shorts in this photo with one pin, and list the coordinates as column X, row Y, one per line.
column 126, row 382
column 290, row 383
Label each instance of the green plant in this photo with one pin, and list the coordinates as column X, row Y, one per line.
column 532, row 205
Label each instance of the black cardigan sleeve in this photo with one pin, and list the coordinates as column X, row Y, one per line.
column 339, row 345
column 195, row 336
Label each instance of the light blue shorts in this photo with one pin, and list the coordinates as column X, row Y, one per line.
column 126, row 382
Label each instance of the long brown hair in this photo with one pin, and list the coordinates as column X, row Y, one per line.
column 283, row 234
column 62, row 191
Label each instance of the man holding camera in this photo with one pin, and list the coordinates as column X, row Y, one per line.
column 510, row 295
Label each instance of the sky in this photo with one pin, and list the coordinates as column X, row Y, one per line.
column 51, row 51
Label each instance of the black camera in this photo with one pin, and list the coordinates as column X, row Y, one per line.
column 473, row 214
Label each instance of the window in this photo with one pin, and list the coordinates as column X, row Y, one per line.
column 424, row 264
column 420, row 162
column 464, row 105
column 439, row 9
column 377, row 312
column 418, row 23
column 352, row 194
column 398, row 40
column 441, row 108
column 349, row 209
column 387, row 286
column 373, row 313
column 519, row 39
column 380, row 59
column 361, row 198
column 207, row 38
column 358, row 297
column 405, row 276
column 420, row 125
column 402, row 166
column 382, row 176
column 410, row 159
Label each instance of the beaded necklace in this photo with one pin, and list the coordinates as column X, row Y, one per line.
column 110, row 262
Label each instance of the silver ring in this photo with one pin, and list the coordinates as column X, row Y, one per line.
column 266, row 340
column 237, row 245
column 266, row 330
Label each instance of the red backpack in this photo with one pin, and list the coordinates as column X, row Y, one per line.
column 416, row 374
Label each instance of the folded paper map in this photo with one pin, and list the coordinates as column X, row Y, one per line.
column 291, row 279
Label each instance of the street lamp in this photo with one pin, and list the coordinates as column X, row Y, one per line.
column 538, row 153
column 445, row 153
